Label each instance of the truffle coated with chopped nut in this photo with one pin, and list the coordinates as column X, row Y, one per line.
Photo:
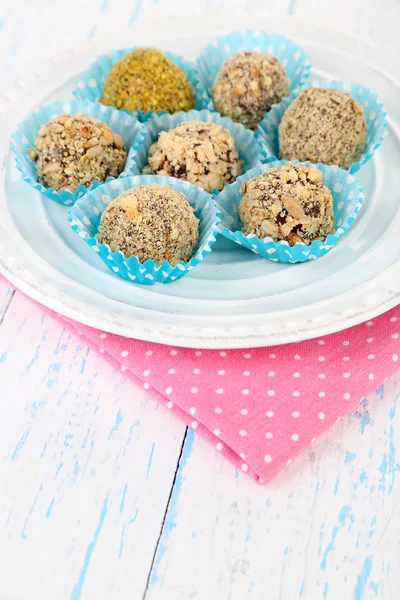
column 287, row 203
column 150, row 221
column 202, row 153
column 247, row 85
column 76, row 150
column 323, row 125
column 145, row 79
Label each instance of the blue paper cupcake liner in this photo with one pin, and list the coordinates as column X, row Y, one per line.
column 375, row 116
column 293, row 58
column 89, row 85
column 251, row 148
column 85, row 216
column 347, row 200
column 129, row 128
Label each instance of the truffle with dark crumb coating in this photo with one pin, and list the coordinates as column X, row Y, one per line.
column 247, row 85
column 323, row 125
column 150, row 221
column 287, row 203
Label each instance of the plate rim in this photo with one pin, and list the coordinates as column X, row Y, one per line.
column 385, row 286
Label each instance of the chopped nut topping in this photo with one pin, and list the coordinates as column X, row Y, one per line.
column 32, row 153
column 247, row 85
column 287, row 203
column 69, row 152
column 150, row 221
column 92, row 142
column 94, row 151
column 202, row 153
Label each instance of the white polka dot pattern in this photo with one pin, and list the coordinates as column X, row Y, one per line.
column 260, row 427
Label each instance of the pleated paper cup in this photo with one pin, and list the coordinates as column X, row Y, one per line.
column 90, row 82
column 128, row 127
column 85, row 217
column 251, row 148
column 347, row 200
column 293, row 58
column 374, row 111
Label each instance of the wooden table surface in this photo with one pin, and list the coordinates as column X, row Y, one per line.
column 104, row 495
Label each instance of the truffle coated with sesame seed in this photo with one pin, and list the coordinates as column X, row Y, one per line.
column 150, row 221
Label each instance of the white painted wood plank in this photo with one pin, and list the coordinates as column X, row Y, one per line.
column 327, row 528
column 369, row 19
column 58, row 25
column 89, row 532
column 87, row 463
column 21, row 46
column 6, row 295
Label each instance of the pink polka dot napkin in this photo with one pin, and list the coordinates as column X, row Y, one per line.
column 259, row 407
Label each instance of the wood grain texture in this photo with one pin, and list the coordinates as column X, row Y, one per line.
column 25, row 24
column 87, row 474
column 6, row 296
column 326, row 528
column 98, row 500
column 58, row 25
column 368, row 19
column 82, row 453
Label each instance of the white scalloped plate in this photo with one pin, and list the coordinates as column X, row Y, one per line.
column 234, row 299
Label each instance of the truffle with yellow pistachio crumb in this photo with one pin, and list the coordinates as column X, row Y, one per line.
column 145, row 79
column 288, row 203
column 76, row 150
column 150, row 221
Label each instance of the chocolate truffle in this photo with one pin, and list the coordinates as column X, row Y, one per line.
column 76, row 150
column 202, row 153
column 323, row 125
column 150, row 221
column 247, row 85
column 287, row 203
column 145, row 79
